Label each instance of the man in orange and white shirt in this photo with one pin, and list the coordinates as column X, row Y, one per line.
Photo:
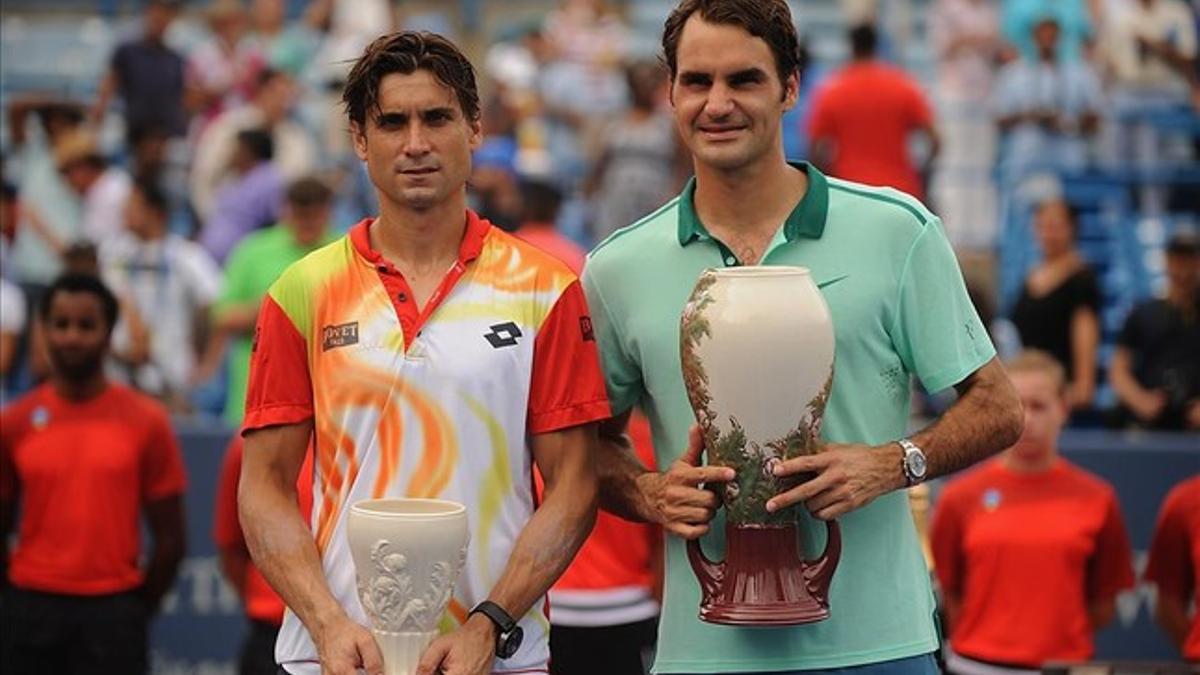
column 426, row 354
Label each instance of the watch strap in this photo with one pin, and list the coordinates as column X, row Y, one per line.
column 496, row 613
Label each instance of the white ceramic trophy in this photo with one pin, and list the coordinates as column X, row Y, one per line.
column 408, row 554
column 756, row 345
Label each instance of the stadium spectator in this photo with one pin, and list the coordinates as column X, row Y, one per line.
column 1074, row 17
column 966, row 39
column 295, row 153
column 1059, row 305
column 288, row 47
column 50, row 215
column 863, row 117
column 1150, row 53
column 169, row 283
column 262, row 605
column 222, row 71
column 249, row 199
column 540, row 201
column 253, row 266
column 102, row 187
column 148, row 76
column 1174, row 567
column 641, row 163
column 1030, row 550
column 1046, row 108
column 83, row 460
column 1155, row 368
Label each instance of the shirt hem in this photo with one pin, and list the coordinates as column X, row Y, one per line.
column 275, row 415
column 569, row 416
column 789, row 664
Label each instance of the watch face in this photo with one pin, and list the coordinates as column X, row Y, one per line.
column 916, row 464
column 508, row 643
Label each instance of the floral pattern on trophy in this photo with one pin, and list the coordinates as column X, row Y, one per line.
column 746, row 496
column 389, row 594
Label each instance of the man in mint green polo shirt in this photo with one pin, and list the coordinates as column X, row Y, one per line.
column 899, row 310
column 254, row 265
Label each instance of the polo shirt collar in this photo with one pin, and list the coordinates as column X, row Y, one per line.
column 468, row 250
column 806, row 220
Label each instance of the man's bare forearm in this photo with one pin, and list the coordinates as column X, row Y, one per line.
column 557, row 529
column 985, row 419
column 620, row 471
column 279, row 540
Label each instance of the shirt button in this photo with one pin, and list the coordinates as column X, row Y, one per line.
column 383, row 269
column 402, row 297
column 730, row 260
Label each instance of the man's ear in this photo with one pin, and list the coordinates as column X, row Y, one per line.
column 358, row 134
column 475, row 139
column 791, row 91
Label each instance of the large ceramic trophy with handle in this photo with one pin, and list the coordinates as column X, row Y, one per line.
column 757, row 352
column 407, row 556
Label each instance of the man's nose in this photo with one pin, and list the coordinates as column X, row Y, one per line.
column 417, row 142
column 720, row 101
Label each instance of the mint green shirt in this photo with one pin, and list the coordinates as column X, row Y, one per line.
column 253, row 265
column 899, row 309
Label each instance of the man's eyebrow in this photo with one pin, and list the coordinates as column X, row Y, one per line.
column 439, row 110
column 694, row 75
column 752, row 73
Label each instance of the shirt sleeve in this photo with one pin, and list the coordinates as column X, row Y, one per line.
column 567, row 386
column 227, row 530
column 1170, row 566
column 622, row 373
column 936, row 330
column 946, row 542
column 919, row 109
column 204, row 275
column 162, row 466
column 1111, row 568
column 280, row 387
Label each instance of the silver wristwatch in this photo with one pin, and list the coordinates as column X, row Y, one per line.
column 914, row 465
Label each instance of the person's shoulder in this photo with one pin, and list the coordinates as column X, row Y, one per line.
column 641, row 240
column 499, row 244
column 15, row 415
column 257, row 242
column 139, row 408
column 1184, row 497
column 313, row 269
column 1085, row 480
column 881, row 206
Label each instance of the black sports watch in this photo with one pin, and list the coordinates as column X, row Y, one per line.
column 508, row 639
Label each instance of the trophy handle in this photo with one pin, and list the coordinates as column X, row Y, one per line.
column 818, row 574
column 708, row 572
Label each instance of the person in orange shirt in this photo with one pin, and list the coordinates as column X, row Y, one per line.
column 1030, row 549
column 1174, row 567
column 264, row 608
column 863, row 116
column 83, row 460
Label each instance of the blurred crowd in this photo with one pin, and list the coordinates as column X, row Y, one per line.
column 235, row 160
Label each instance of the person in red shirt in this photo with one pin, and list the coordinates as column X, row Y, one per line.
column 264, row 608
column 863, row 116
column 1174, row 566
column 83, row 460
column 540, row 203
column 1030, row 549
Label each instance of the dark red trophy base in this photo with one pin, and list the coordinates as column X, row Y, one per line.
column 763, row 580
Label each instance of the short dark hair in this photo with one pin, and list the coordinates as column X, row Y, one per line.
column 405, row 53
column 769, row 20
column 309, row 191
column 81, row 283
column 863, row 40
column 153, row 194
column 258, row 142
